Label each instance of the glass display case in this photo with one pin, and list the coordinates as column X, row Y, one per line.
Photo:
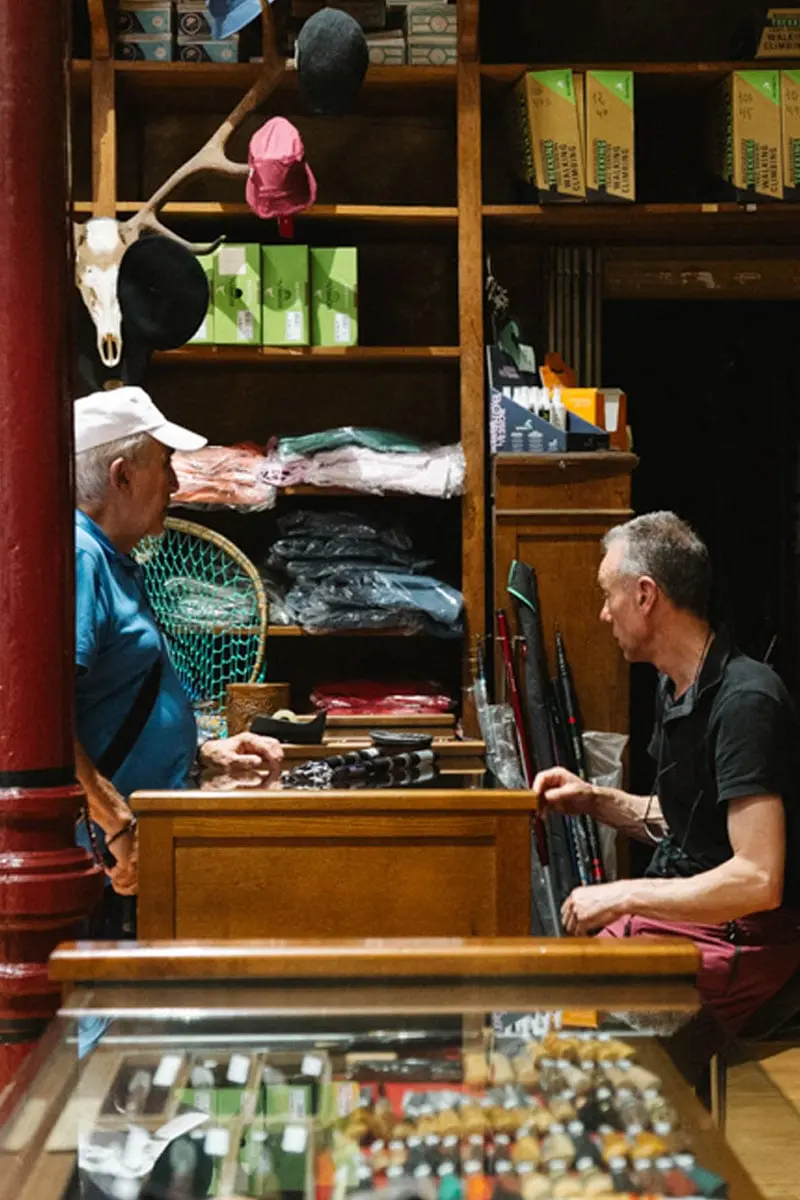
column 445, row 1070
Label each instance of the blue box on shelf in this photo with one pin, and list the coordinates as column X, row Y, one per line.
column 515, row 430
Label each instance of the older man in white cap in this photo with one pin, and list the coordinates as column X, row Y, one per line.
column 135, row 725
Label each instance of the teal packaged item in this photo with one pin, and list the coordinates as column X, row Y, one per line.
column 348, row 435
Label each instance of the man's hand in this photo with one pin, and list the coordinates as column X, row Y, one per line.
column 125, row 875
column 243, row 751
column 589, row 908
column 563, row 791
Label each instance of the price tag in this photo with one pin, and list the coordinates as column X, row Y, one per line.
column 245, row 326
column 167, row 1070
column 294, row 1139
column 342, row 329
column 238, row 1068
column 312, row 1065
column 297, row 1102
column 294, row 327
column 216, row 1143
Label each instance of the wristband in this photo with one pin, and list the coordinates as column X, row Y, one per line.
column 129, row 828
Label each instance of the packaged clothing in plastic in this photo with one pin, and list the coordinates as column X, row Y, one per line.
column 379, row 440
column 361, row 696
column 312, row 524
column 377, row 599
column 229, row 476
column 437, row 472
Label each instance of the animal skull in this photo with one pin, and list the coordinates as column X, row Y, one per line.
column 99, row 247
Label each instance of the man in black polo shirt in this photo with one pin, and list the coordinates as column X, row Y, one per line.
column 724, row 813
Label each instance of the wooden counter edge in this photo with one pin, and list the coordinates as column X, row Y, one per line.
column 388, row 800
column 377, row 958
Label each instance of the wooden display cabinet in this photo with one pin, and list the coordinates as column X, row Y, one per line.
column 552, row 511
column 454, row 862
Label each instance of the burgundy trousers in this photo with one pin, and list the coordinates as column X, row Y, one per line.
column 744, row 964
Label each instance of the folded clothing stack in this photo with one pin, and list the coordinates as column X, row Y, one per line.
column 231, row 476
column 362, row 697
column 367, row 460
column 344, row 572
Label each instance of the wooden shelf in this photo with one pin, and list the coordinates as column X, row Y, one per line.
column 390, row 214
column 685, row 72
column 297, row 631
column 698, row 223
column 188, row 84
column 266, row 355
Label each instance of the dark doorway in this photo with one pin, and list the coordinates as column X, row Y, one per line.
column 714, row 397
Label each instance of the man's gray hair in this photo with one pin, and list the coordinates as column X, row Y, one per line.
column 92, row 466
column 661, row 545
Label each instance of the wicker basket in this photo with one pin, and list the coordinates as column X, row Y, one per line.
column 247, row 700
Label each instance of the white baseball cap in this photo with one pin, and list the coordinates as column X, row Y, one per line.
column 123, row 412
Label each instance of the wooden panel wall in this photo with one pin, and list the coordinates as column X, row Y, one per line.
column 551, row 512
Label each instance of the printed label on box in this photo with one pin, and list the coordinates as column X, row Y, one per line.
column 334, row 286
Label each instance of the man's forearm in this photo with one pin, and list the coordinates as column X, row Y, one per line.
column 624, row 811
column 106, row 806
column 735, row 889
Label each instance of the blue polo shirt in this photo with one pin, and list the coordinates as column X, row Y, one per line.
column 117, row 642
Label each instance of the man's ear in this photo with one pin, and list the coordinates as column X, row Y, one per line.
column 119, row 474
column 647, row 593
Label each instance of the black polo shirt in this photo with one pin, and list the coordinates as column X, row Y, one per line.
column 735, row 733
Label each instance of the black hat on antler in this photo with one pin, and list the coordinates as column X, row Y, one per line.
column 163, row 291
column 332, row 60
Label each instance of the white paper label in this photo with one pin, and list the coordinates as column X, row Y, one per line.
column 294, row 327
column 342, row 329
column 245, row 326
column 346, row 1098
column 294, row 1139
column 297, row 1102
column 238, row 1068
column 527, row 358
column 311, row 1065
column 231, row 260
column 167, row 1070
column 216, row 1143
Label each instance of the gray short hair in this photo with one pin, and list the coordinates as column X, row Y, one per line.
column 92, row 466
column 661, row 545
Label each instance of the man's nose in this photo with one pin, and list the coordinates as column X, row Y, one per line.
column 172, row 481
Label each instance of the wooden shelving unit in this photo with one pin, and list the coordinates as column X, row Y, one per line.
column 419, row 229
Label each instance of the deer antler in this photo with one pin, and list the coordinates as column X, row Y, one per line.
column 212, row 157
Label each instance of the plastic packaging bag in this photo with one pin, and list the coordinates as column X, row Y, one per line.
column 347, row 435
column 604, row 761
column 365, row 696
column 377, row 599
column 226, row 476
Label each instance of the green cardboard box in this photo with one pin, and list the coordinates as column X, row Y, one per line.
column 745, row 142
column 609, row 133
column 237, row 295
column 205, row 334
column 545, row 132
column 284, row 283
column 334, row 296
column 790, row 124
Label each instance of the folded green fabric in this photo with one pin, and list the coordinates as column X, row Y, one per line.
column 347, row 435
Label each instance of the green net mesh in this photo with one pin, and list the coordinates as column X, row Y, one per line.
column 211, row 607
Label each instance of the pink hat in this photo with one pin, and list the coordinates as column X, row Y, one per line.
column 280, row 181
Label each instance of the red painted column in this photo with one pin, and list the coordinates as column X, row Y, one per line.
column 46, row 884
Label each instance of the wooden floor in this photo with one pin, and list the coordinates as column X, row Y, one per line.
column 764, row 1120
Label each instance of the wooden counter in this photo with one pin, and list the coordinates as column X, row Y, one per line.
column 451, row 862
